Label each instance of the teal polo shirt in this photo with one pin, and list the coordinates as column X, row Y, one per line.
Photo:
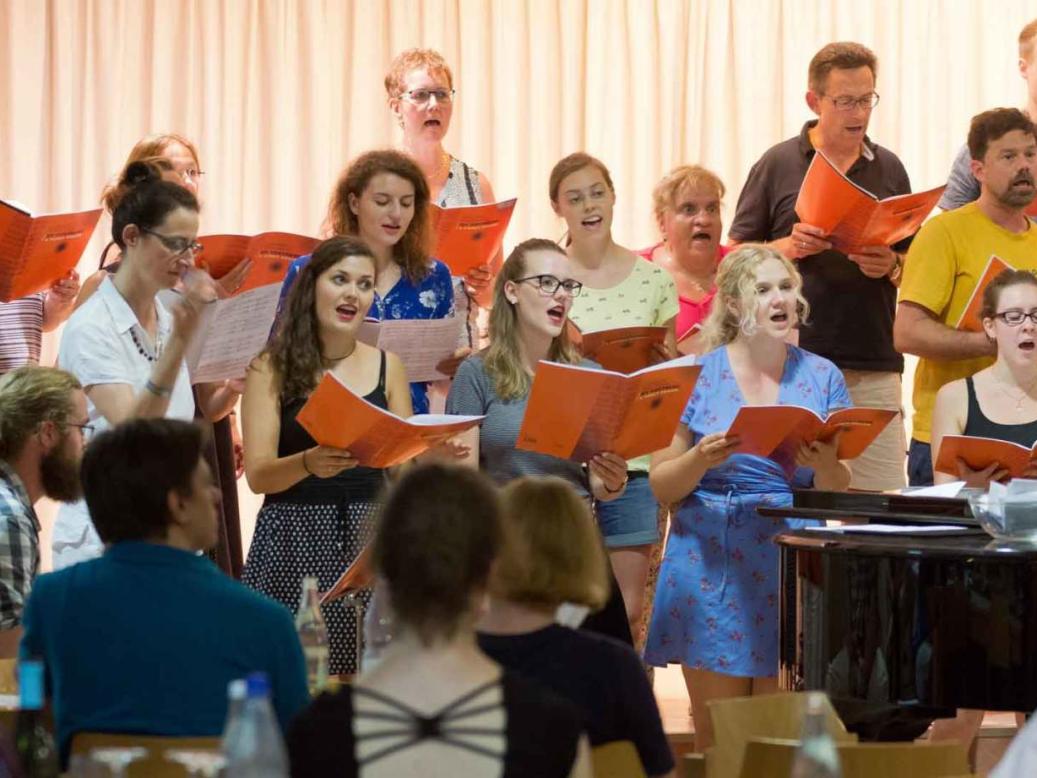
column 145, row 639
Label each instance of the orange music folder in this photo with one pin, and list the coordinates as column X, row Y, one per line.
column 763, row 428
column 469, row 236
column 852, row 217
column 271, row 254
column 335, row 416
column 623, row 349
column 969, row 319
column 35, row 251
column 576, row 412
column 980, row 453
column 357, row 576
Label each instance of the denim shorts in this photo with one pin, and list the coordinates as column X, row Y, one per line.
column 632, row 519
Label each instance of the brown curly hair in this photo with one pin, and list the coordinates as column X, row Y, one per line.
column 294, row 351
column 412, row 251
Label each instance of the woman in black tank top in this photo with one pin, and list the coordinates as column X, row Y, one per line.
column 1000, row 401
column 319, row 505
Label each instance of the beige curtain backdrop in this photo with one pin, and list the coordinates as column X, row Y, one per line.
column 280, row 94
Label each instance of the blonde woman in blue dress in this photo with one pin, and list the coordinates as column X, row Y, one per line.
column 716, row 610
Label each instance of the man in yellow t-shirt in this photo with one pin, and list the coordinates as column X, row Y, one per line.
column 947, row 259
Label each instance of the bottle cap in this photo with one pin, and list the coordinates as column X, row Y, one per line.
column 815, row 702
column 237, row 689
column 258, row 685
column 30, row 684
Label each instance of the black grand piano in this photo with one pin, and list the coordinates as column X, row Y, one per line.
column 901, row 629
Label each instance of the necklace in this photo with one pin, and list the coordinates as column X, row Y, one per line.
column 143, row 348
column 1018, row 400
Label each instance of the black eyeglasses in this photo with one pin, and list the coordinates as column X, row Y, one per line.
column 85, row 429
column 175, row 245
column 1014, row 317
column 548, row 284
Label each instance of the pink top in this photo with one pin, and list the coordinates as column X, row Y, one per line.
column 691, row 312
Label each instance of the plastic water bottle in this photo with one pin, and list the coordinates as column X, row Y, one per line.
column 237, row 691
column 313, row 635
column 35, row 746
column 816, row 756
column 253, row 746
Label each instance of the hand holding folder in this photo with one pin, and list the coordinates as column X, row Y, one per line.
column 980, row 453
column 763, row 428
column 36, row 251
column 335, row 416
column 853, row 218
column 576, row 412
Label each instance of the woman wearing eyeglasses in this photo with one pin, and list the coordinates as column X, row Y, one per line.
column 420, row 91
column 177, row 159
column 532, row 298
column 125, row 347
column 999, row 401
column 620, row 289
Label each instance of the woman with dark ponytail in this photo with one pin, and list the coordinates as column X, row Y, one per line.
column 125, row 347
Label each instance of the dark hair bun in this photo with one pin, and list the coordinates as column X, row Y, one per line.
column 140, row 172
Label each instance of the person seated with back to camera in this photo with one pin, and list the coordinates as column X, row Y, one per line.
column 145, row 638
column 553, row 554
column 435, row 705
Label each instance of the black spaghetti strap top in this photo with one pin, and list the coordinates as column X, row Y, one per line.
column 541, row 730
column 977, row 425
column 358, row 483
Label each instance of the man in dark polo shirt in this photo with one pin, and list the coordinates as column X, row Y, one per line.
column 852, row 297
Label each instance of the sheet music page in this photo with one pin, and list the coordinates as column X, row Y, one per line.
column 421, row 344
column 235, row 330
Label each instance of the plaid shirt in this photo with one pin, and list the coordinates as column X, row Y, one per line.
column 19, row 546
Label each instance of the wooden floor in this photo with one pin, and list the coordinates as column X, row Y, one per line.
column 672, row 698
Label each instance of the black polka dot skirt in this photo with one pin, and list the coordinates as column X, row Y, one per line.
column 294, row 540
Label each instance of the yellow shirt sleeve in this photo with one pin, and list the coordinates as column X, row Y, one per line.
column 930, row 269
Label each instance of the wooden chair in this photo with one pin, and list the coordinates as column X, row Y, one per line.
column 8, row 676
column 738, row 719
column 155, row 764
column 772, row 758
column 617, row 760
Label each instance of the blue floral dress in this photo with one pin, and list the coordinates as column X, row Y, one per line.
column 431, row 298
column 716, row 603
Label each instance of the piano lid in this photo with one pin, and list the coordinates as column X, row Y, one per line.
column 878, row 506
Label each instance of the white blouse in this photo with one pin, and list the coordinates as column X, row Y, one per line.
column 103, row 344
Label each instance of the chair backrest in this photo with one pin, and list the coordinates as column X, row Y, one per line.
column 617, row 760
column 737, row 719
column 772, row 758
column 8, row 676
column 155, row 764
column 903, row 760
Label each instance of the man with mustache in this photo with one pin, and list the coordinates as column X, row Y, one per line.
column 947, row 260
column 962, row 186
column 43, row 420
column 852, row 297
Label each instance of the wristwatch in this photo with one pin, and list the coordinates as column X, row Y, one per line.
column 898, row 268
